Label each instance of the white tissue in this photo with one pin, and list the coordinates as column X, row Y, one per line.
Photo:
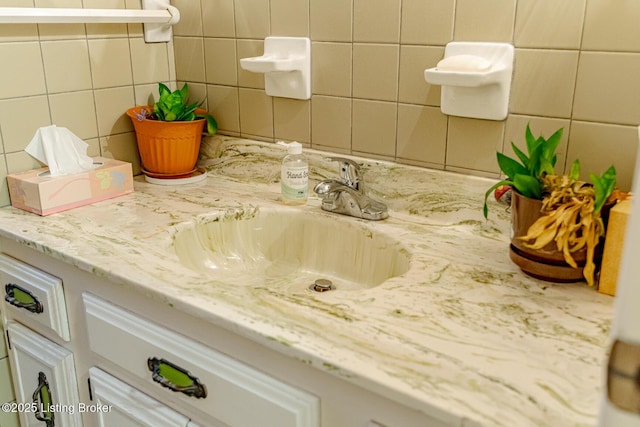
column 464, row 63
column 61, row 150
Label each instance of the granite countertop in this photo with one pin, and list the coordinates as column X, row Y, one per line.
column 463, row 336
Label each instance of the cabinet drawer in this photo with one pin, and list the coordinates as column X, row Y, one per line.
column 33, row 296
column 215, row 384
column 127, row 407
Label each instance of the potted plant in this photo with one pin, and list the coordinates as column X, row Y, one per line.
column 557, row 220
column 168, row 133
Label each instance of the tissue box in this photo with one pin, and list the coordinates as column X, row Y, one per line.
column 613, row 246
column 38, row 192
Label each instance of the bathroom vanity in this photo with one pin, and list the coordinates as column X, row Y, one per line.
column 137, row 328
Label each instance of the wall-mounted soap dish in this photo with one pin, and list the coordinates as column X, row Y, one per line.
column 286, row 65
column 475, row 79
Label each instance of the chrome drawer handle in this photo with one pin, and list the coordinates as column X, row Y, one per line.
column 22, row 298
column 175, row 378
column 42, row 401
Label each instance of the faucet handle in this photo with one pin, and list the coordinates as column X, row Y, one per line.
column 349, row 172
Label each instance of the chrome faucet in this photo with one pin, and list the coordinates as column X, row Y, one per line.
column 346, row 195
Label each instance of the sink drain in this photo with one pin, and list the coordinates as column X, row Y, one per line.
column 322, row 285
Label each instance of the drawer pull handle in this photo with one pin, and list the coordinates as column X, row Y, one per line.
column 175, row 378
column 22, row 298
column 42, row 401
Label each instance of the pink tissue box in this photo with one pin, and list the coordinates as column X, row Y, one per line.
column 38, row 192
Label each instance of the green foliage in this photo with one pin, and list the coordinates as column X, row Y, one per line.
column 574, row 174
column 603, row 186
column 173, row 106
column 525, row 174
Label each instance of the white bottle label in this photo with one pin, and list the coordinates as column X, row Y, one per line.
column 295, row 182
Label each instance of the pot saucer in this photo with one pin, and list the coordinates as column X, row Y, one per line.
column 167, row 175
column 197, row 175
column 544, row 271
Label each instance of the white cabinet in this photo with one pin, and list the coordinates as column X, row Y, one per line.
column 44, row 379
column 121, row 405
column 44, row 376
column 186, row 371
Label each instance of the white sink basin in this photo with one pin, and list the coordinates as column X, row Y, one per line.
column 286, row 249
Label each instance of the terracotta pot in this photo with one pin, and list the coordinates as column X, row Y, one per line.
column 547, row 263
column 167, row 148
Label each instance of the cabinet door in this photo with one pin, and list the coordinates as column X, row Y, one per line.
column 120, row 405
column 44, row 379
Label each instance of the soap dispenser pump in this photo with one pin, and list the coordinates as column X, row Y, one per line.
column 294, row 176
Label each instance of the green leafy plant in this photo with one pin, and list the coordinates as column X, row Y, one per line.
column 525, row 174
column 571, row 209
column 173, row 106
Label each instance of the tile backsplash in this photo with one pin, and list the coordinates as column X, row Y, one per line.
column 82, row 77
column 576, row 67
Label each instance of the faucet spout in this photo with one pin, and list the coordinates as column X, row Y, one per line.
column 341, row 198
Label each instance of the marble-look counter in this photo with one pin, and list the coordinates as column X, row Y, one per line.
column 463, row 336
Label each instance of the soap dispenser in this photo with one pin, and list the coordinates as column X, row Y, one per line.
column 294, row 176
